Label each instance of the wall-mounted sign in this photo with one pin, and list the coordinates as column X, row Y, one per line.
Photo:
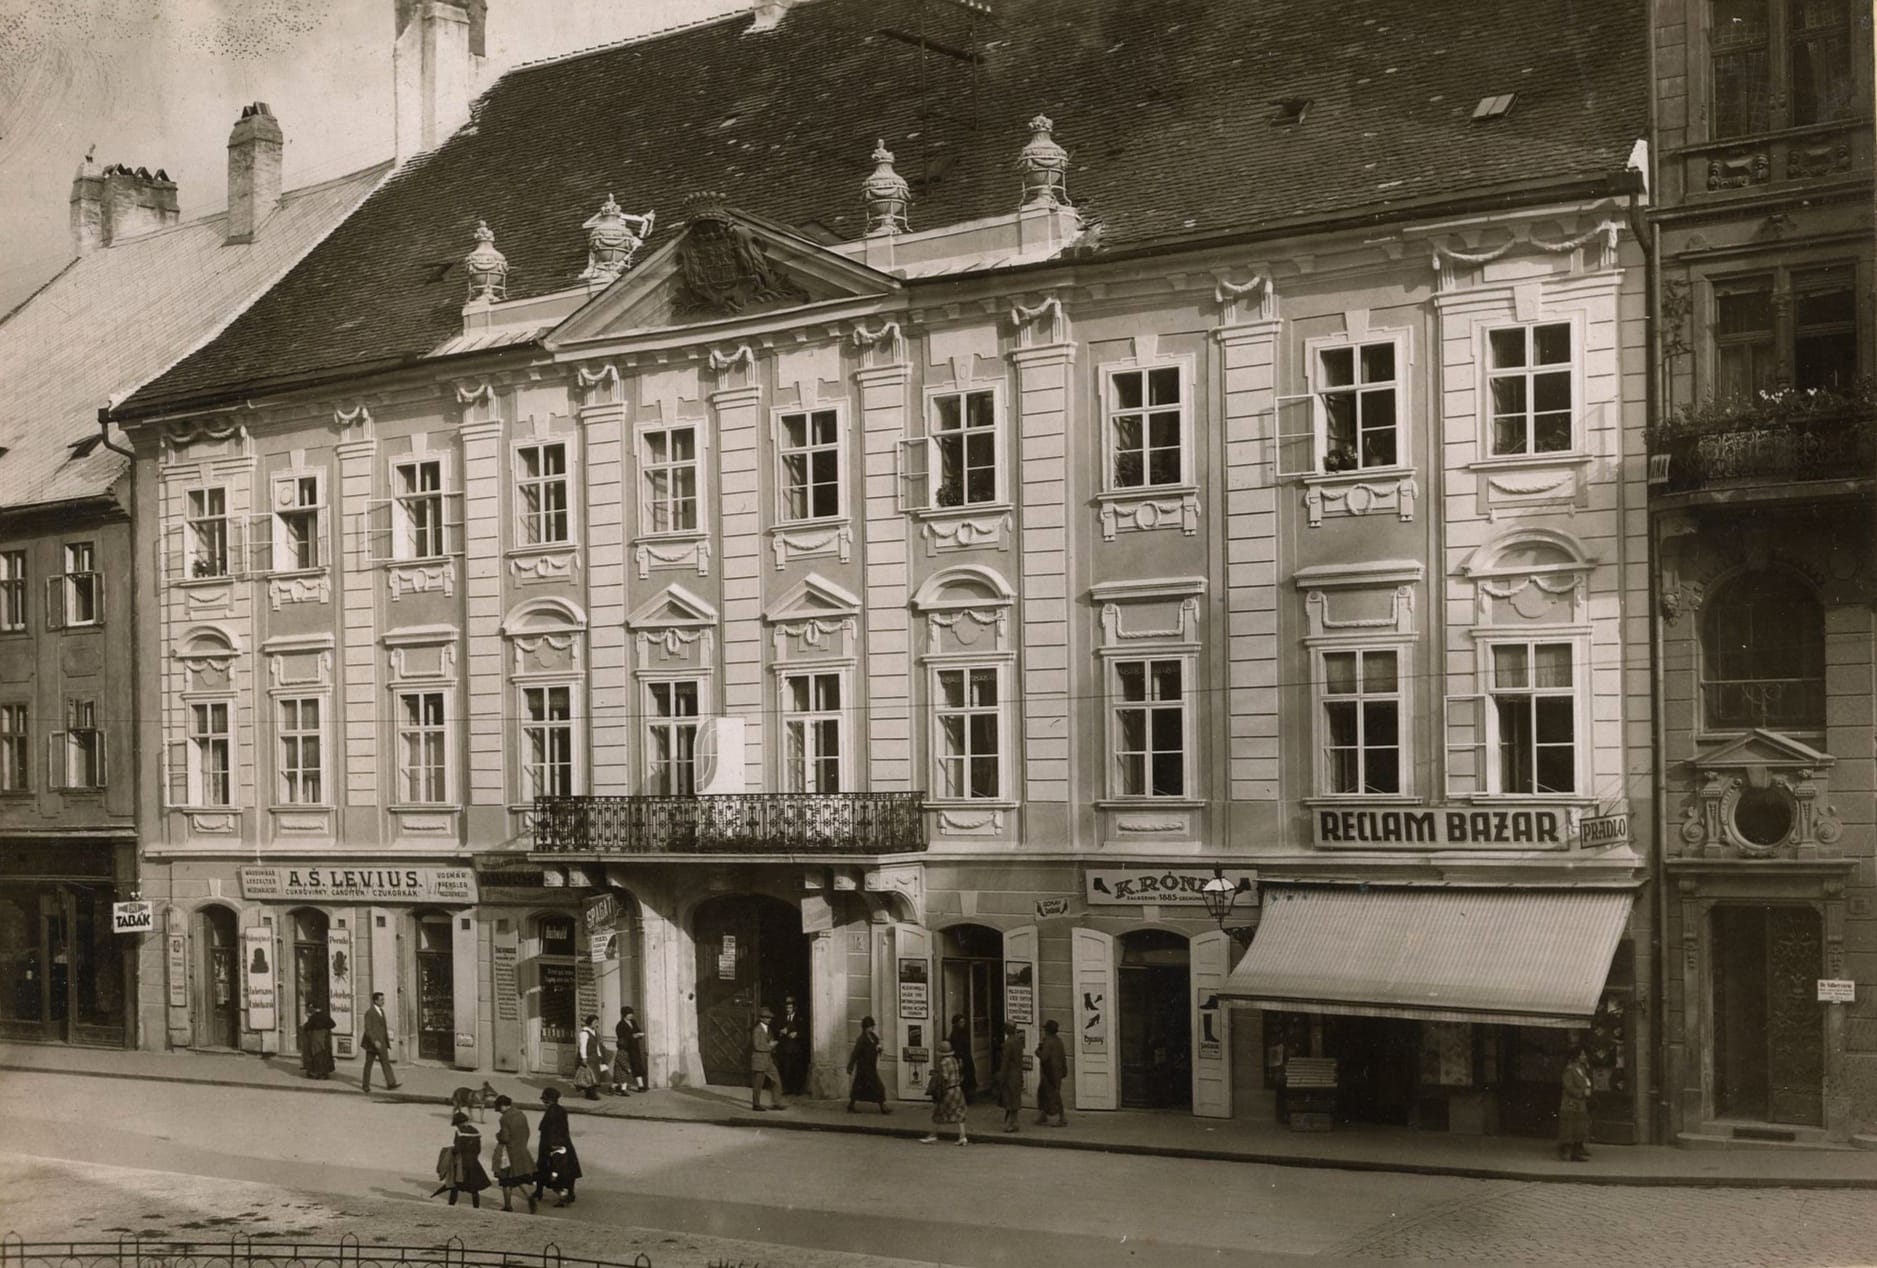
column 1174, row 886
column 1019, row 992
column 1604, row 831
column 133, row 917
column 361, row 884
column 1445, row 827
column 1094, row 1021
column 504, row 961
column 1833, row 990
column 914, row 1000
column 257, row 976
column 601, row 911
column 603, row 947
column 1049, row 908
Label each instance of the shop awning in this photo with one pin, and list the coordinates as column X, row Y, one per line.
column 1506, row 956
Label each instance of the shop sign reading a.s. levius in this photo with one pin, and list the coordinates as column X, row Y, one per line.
column 361, row 884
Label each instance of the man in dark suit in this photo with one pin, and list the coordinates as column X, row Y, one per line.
column 377, row 1042
column 762, row 1064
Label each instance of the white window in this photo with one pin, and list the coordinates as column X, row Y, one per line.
column 1534, row 717
column 1530, row 376
column 1146, row 428
column 547, row 740
column 206, row 532
column 543, row 494
column 1361, row 733
column 12, row 589
column 813, row 726
column 968, row 713
column 965, row 443
column 672, row 708
column 417, row 517
column 302, row 748
column 423, row 765
column 669, row 468
column 76, row 754
column 1358, row 386
column 211, row 748
column 15, row 773
column 809, row 444
column 77, row 596
column 1148, row 732
column 299, row 523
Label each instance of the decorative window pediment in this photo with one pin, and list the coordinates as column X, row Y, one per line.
column 1760, row 796
column 546, row 636
column 676, row 620
column 1531, row 576
column 1164, row 611
column 962, row 606
column 815, row 613
column 207, row 655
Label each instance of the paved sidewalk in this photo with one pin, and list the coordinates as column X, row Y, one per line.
column 1134, row 1132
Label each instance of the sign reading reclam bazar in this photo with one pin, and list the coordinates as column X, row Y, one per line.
column 1450, row 827
column 361, row 884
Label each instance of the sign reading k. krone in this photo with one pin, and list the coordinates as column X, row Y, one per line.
column 1181, row 886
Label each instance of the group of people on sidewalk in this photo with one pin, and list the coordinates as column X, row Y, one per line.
column 552, row 1165
column 591, row 1068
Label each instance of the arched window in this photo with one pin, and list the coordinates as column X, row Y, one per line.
column 1763, row 654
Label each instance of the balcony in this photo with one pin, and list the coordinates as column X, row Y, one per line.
column 737, row 823
column 1782, row 437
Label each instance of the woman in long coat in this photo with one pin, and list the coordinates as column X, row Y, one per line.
column 557, row 1164
column 1052, row 1066
column 948, row 1094
column 514, row 1164
column 960, row 1040
column 316, row 1043
column 864, row 1064
column 1009, row 1077
column 460, row 1167
column 1574, row 1109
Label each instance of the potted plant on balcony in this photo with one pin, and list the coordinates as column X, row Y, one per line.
column 1780, row 433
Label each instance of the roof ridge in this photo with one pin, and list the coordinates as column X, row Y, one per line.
column 742, row 11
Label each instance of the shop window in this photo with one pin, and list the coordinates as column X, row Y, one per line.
column 1763, row 654
column 813, row 732
column 15, row 748
column 1148, row 727
column 672, row 708
column 809, row 445
column 12, row 589
column 1531, row 371
column 556, row 968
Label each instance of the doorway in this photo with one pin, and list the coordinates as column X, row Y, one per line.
column 751, row 953
column 218, row 1024
column 971, row 983
column 312, row 969
column 1769, row 1043
column 436, row 988
column 1155, row 1040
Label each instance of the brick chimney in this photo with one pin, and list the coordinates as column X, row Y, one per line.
column 436, row 68
column 253, row 172
column 87, row 208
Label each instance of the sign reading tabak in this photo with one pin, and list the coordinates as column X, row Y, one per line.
column 1446, row 827
column 361, row 884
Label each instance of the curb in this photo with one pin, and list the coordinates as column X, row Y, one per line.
column 1026, row 1140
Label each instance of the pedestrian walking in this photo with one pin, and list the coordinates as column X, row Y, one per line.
column 628, row 1053
column 316, row 1043
column 1009, row 1077
column 514, row 1163
column 864, row 1064
column 947, row 1091
column 459, row 1166
column 960, row 1040
column 791, row 1050
column 762, row 1063
column 557, row 1163
column 376, row 1045
column 1574, row 1108
column 589, row 1061
column 1052, row 1067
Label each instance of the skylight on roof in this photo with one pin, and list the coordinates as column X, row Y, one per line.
column 1494, row 107
column 1288, row 110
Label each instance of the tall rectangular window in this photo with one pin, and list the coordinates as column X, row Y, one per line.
column 1744, row 359
column 301, row 736
column 1824, row 327
column 969, row 712
column 422, row 748
column 543, row 493
column 211, row 747
column 418, row 494
column 1535, row 705
column 15, row 744
column 671, row 738
column 1149, row 728
column 206, row 531
column 547, row 737
column 81, row 748
column 1531, row 377
column 670, row 473
column 965, row 439
column 1146, row 428
column 1820, row 80
column 1738, row 41
column 298, row 522
column 12, row 589
column 1361, row 722
column 1360, row 415
column 78, row 588
column 810, row 447
column 812, row 725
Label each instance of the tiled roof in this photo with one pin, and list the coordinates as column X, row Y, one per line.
column 1165, row 108
column 113, row 319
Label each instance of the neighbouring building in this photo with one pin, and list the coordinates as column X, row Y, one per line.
column 1763, row 453
column 717, row 535
column 141, row 291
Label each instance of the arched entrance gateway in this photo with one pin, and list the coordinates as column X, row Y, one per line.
column 751, row 954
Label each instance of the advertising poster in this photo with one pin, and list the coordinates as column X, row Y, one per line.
column 178, row 951
column 1019, row 992
column 1094, row 1021
column 503, row 962
column 557, row 1002
column 914, row 999
column 339, row 979
column 257, row 963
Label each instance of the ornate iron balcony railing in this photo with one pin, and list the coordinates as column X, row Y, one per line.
column 1825, row 447
column 735, row 823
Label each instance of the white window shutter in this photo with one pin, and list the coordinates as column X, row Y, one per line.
column 915, row 473
column 55, row 759
column 1294, row 435
column 1466, row 746
column 101, row 739
column 55, row 602
column 374, row 530
column 171, row 554
column 261, row 543
column 453, row 520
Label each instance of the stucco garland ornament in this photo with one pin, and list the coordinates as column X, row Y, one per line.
column 613, row 238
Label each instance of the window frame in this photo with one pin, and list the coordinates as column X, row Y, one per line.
column 1719, row 600
column 292, row 774
column 1786, row 281
column 81, row 738
column 1578, row 644
column 1114, row 704
column 838, row 446
column 1187, row 449
column 1000, row 669
column 1778, row 43
column 530, row 774
column 74, row 581
column 200, row 747
column 1322, row 781
column 15, row 573
column 403, row 730
column 202, row 525
column 698, row 463
column 1572, row 368
column 284, row 512
column 567, row 480
column 935, row 440
column 16, row 745
column 405, row 531
column 652, row 720
column 1401, row 385
column 841, row 715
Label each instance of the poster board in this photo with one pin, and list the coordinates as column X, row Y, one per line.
column 909, row 955
column 1021, row 992
column 257, row 977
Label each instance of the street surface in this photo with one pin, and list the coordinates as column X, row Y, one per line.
column 198, row 1162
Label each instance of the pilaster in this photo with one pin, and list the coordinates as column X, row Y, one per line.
column 1042, row 416
column 357, row 455
column 481, row 438
column 603, row 429
column 738, row 414
column 883, row 407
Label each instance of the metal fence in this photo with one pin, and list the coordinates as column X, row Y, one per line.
column 264, row 1252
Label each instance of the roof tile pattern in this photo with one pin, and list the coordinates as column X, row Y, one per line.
column 1165, row 108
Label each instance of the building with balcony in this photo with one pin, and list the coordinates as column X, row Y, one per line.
column 1762, row 462
column 141, row 290
column 699, row 554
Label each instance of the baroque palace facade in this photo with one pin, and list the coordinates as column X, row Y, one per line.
column 896, row 576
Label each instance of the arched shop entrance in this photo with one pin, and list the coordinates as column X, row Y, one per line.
column 1155, row 1043
column 436, row 988
column 751, row 954
column 218, row 1021
column 971, row 985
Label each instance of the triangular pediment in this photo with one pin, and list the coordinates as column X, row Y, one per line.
column 674, row 607
column 1766, row 749
column 723, row 266
column 813, row 598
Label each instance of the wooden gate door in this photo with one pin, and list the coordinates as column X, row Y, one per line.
column 725, row 932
